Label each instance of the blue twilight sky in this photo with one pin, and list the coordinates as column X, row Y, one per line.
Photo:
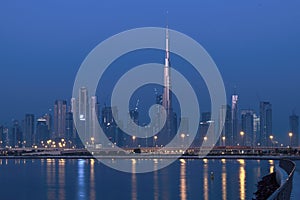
column 255, row 45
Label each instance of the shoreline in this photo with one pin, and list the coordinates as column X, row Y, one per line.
column 233, row 157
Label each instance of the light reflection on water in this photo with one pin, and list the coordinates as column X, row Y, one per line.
column 224, row 180
column 205, row 179
column 155, row 180
column 81, row 180
column 183, row 188
column 242, row 179
column 271, row 162
column 88, row 179
column 133, row 180
column 92, row 180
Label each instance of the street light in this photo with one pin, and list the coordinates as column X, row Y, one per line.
column 223, row 139
column 271, row 138
column 205, row 139
column 182, row 137
column 92, row 140
column 155, row 138
column 242, row 133
column 133, row 139
column 290, row 135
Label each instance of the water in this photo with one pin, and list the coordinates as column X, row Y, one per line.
column 296, row 182
column 88, row 179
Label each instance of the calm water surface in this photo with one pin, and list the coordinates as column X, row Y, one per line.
column 88, row 179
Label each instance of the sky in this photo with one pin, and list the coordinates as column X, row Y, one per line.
column 255, row 45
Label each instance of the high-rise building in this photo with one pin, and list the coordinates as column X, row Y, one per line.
column 206, row 132
column 60, row 112
column 74, row 138
column 184, row 131
column 226, row 138
column 28, row 133
column 170, row 128
column 265, row 111
column 109, row 125
column 48, row 119
column 235, row 122
column 69, row 126
column 256, row 129
column 94, row 115
column 247, row 122
column 16, row 139
column 42, row 131
column 1, row 136
column 4, row 131
column 294, row 129
column 134, row 120
column 83, row 104
column 83, row 122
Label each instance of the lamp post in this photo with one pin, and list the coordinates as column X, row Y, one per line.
column 242, row 133
column 133, row 139
column 182, row 138
column 271, row 138
column 93, row 141
column 290, row 135
column 155, row 139
column 205, row 139
column 223, row 140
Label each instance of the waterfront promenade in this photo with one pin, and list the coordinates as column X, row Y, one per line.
column 155, row 153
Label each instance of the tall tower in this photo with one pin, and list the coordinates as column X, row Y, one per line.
column 265, row 110
column 226, row 129
column 94, row 114
column 167, row 84
column 234, row 115
column 42, row 131
column 171, row 119
column 247, row 122
column 83, row 114
column 60, row 112
column 29, row 130
column 294, row 129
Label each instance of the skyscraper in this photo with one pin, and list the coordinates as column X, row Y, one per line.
column 28, row 133
column 94, row 114
column 48, row 119
column 184, row 130
column 60, row 112
column 109, row 125
column 205, row 133
column 4, row 131
column 265, row 111
column 134, row 120
column 247, row 122
column 226, row 138
column 74, row 138
column 42, row 131
column 170, row 127
column 256, row 129
column 294, row 129
column 83, row 114
column 16, row 136
column 69, row 126
column 234, row 115
column 83, row 104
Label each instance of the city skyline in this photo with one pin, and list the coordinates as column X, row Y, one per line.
column 255, row 73
column 149, row 99
column 253, row 128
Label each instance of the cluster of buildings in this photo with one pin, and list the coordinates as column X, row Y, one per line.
column 244, row 127
column 77, row 125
